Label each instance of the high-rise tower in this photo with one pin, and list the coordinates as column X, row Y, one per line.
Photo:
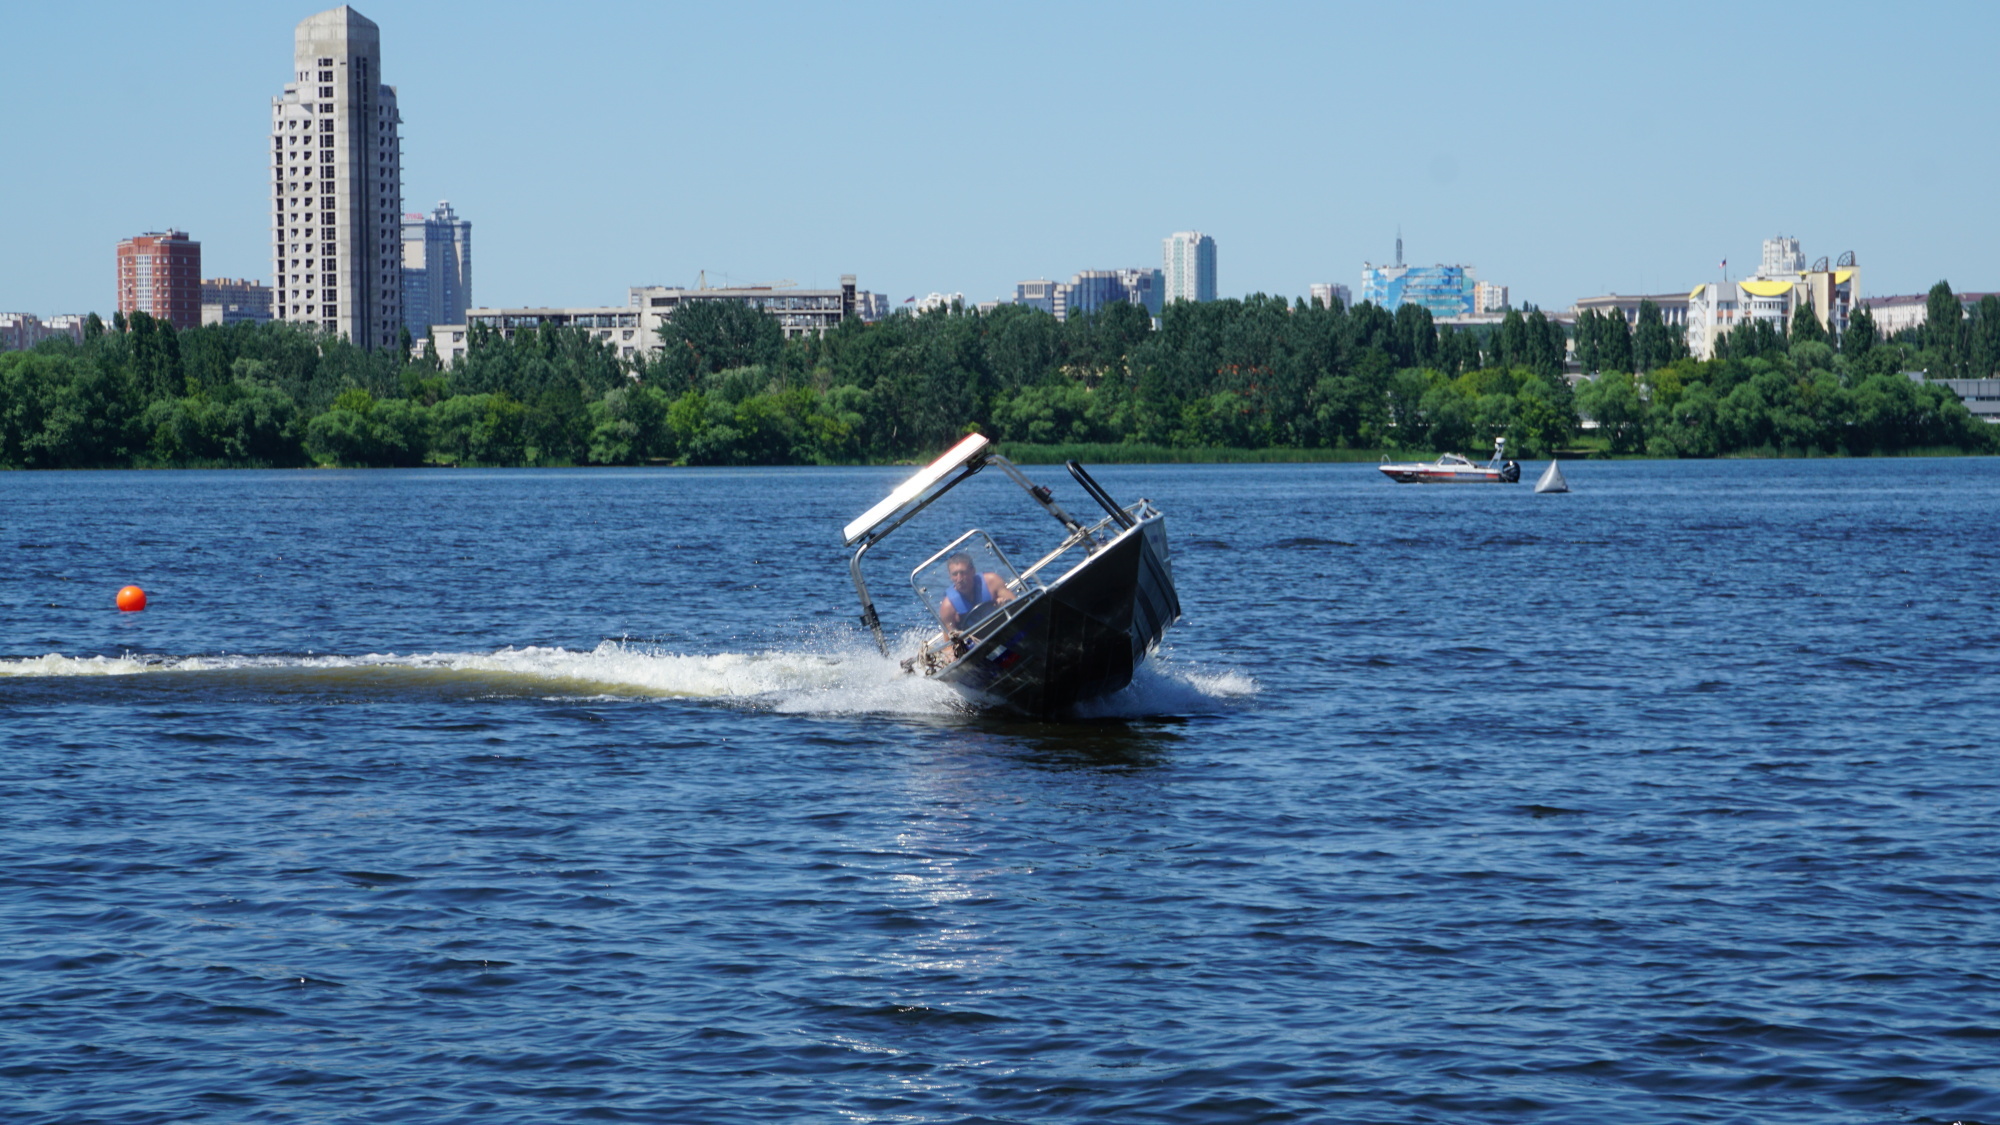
column 159, row 274
column 1189, row 266
column 437, row 268
column 336, row 176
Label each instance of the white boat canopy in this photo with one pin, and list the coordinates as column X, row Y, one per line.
column 910, row 491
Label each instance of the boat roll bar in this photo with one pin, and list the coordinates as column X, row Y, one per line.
column 1119, row 515
column 926, row 487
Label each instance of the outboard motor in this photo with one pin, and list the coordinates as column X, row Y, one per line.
column 1510, row 472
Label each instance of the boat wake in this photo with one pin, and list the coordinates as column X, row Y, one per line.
column 829, row 680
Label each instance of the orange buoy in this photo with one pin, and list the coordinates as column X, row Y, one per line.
column 131, row 599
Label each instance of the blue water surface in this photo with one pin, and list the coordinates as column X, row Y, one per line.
column 550, row 796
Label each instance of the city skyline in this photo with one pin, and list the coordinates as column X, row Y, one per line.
column 1314, row 141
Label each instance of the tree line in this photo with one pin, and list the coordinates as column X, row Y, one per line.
column 727, row 387
column 1796, row 391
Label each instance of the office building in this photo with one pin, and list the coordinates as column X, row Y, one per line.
column 1189, row 267
column 625, row 328
column 1783, row 285
column 1043, row 294
column 1981, row 396
column 1092, row 290
column 1673, row 307
column 1782, row 257
column 799, row 311
column 934, row 300
column 229, row 300
column 437, row 269
column 159, row 274
column 21, row 331
column 1910, row 310
column 336, row 176
column 633, row 329
column 1326, row 293
column 1447, row 291
column 870, row 307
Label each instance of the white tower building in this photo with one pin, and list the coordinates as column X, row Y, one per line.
column 337, row 184
column 1189, row 267
column 1782, row 258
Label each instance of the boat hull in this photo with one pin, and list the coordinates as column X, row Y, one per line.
column 1082, row 637
column 1430, row 474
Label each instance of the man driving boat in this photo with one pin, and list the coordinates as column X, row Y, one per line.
column 971, row 595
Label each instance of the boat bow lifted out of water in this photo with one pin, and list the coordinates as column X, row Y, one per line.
column 1071, row 627
column 1450, row 468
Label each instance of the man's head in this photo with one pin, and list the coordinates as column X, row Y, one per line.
column 964, row 575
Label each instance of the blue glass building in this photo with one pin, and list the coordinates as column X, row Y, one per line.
column 1444, row 290
column 1091, row 290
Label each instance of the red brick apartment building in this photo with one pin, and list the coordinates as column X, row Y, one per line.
column 159, row 273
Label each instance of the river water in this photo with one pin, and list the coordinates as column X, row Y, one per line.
column 538, row 796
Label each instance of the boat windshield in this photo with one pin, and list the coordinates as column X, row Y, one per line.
column 1452, row 459
column 973, row 551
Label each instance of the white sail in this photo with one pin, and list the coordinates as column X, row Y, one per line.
column 1552, row 480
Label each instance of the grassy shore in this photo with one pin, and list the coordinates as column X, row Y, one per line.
column 1100, row 453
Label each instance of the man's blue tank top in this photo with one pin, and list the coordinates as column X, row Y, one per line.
column 964, row 607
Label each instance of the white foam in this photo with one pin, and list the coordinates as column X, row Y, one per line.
column 825, row 679
column 834, row 678
column 55, row 664
column 1164, row 686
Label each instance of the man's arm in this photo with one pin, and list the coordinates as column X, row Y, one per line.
column 997, row 588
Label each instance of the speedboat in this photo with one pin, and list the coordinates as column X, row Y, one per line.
column 1450, row 468
column 1072, row 626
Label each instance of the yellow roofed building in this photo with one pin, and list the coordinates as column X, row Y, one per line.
column 1832, row 292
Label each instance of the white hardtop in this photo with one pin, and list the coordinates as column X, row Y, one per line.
column 913, row 489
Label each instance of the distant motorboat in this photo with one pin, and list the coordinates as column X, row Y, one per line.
column 1552, row 479
column 1450, row 468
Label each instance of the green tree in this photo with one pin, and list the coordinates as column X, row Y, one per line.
column 1510, row 343
column 1613, row 401
column 1615, row 342
column 705, row 336
column 485, row 429
column 361, row 431
column 1806, row 327
column 1544, row 417
column 63, row 412
column 628, row 425
column 1982, row 337
column 1860, row 337
column 1652, row 345
column 1944, row 326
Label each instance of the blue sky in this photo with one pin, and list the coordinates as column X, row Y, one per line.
column 1564, row 149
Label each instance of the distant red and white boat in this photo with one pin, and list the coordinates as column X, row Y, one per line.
column 1450, row 468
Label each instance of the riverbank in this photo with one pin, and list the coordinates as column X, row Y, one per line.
column 1132, row 453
